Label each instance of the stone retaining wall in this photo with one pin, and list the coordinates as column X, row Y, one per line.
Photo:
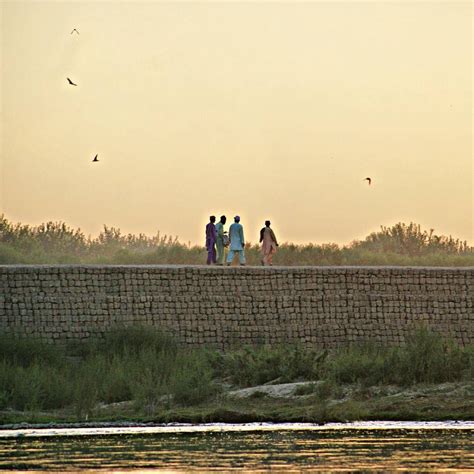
column 327, row 306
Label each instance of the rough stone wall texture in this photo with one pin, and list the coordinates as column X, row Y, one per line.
column 325, row 306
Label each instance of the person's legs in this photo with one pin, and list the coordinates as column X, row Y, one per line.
column 220, row 253
column 211, row 255
column 270, row 258
column 242, row 257
column 230, row 256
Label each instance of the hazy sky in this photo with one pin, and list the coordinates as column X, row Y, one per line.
column 262, row 109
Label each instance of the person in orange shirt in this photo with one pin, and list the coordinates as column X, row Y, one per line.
column 269, row 244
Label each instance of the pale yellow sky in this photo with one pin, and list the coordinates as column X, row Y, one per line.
column 262, row 109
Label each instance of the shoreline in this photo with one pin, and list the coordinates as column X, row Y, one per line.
column 420, row 403
column 111, row 429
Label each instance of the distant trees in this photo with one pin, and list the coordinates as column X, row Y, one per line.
column 411, row 240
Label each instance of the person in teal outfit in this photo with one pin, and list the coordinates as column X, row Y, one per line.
column 220, row 244
column 237, row 241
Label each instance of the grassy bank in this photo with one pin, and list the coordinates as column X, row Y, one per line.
column 57, row 243
column 143, row 374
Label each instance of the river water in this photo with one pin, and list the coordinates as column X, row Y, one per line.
column 252, row 447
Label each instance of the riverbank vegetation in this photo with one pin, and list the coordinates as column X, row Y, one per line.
column 57, row 243
column 144, row 374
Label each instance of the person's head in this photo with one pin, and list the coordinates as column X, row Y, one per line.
column 223, row 219
column 237, row 218
column 212, row 219
column 267, row 223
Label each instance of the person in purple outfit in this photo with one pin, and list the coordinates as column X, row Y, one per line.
column 211, row 238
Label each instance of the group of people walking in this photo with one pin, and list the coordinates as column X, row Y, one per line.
column 217, row 240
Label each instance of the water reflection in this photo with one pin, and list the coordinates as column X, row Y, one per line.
column 225, row 451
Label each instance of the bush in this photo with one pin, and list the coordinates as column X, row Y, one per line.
column 262, row 364
column 426, row 358
column 134, row 340
column 10, row 256
column 358, row 364
column 191, row 382
column 27, row 351
column 34, row 387
column 429, row 358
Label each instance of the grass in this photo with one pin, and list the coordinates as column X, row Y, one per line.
column 164, row 381
column 426, row 358
column 56, row 243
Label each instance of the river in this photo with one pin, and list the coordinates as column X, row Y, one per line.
column 252, row 447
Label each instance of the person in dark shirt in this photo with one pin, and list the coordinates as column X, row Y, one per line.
column 211, row 237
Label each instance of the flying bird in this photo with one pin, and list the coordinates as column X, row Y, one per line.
column 70, row 82
column 369, row 180
column 95, row 158
column 74, row 30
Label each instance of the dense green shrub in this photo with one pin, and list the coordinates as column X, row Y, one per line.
column 425, row 358
column 429, row 358
column 192, row 380
column 149, row 367
column 134, row 340
column 258, row 365
column 28, row 351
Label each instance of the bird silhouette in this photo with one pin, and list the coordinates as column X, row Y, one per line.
column 369, row 180
column 74, row 30
column 95, row 158
column 70, row 82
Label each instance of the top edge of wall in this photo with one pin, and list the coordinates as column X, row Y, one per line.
column 237, row 268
